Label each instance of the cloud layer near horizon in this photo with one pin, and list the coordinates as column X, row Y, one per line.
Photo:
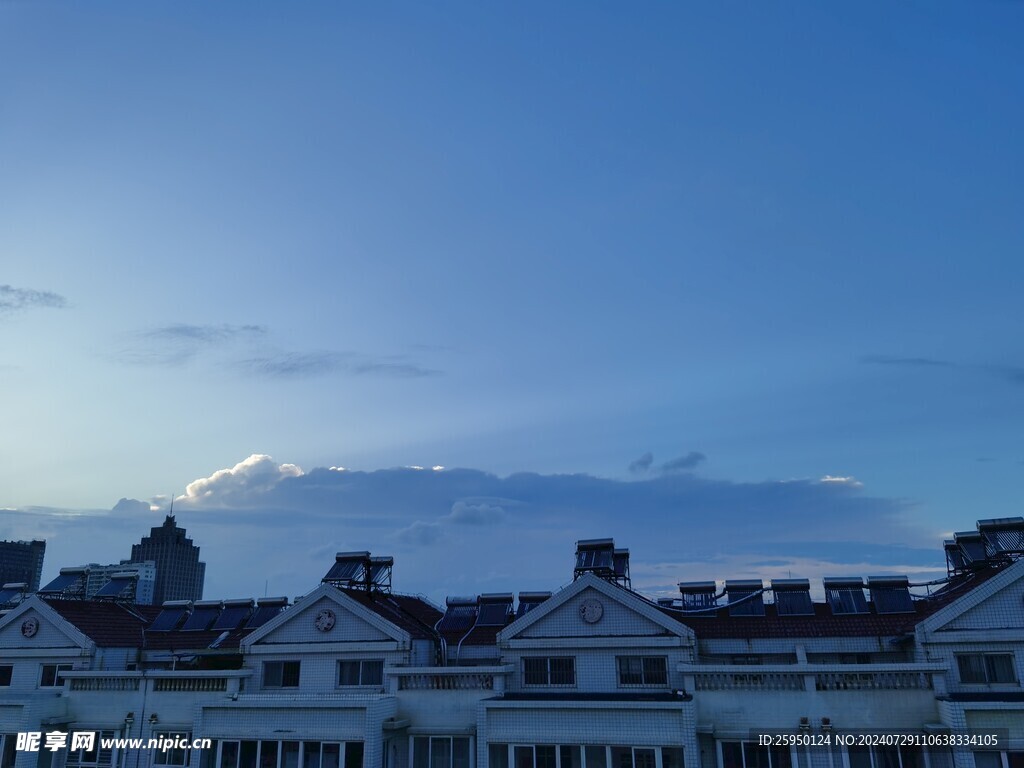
column 266, row 524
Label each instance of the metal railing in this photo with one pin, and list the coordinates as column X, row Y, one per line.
column 104, row 683
column 762, row 681
column 867, row 681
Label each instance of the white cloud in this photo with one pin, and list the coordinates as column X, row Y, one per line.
column 420, row 533
column 132, row 506
column 257, row 474
column 852, row 482
column 464, row 513
column 468, row 531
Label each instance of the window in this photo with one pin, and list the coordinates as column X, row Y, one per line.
column 6, row 670
column 49, row 676
column 440, row 752
column 999, row 759
column 581, row 756
column 555, row 670
column 280, row 674
column 97, row 757
column 7, row 751
column 747, row 754
column 289, row 754
column 885, row 757
column 363, row 672
column 643, row 670
column 172, row 755
column 986, row 668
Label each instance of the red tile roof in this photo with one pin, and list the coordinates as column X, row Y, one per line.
column 413, row 614
column 108, row 624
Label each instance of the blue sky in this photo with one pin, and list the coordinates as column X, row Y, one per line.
column 529, row 238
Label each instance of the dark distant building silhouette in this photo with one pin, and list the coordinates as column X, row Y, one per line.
column 179, row 574
column 22, row 561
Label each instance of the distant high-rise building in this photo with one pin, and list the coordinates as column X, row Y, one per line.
column 179, row 574
column 22, row 561
column 100, row 575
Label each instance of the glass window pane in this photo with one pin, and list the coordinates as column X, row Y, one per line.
column 373, row 673
column 535, row 672
column 544, row 756
column 290, row 675
column 755, row 756
column 887, row 757
column 311, row 754
column 1000, row 668
column 268, row 754
column 732, row 754
column 348, row 673
column 421, row 752
column 353, row 754
column 271, row 674
column 563, row 671
column 497, row 755
column 643, row 758
column 289, row 754
column 972, row 668
column 630, row 670
column 671, row 757
column 460, row 752
column 247, row 754
column 781, row 757
column 570, row 756
column 656, row 670
column 1015, row 760
column 523, row 757
column 859, row 757
column 229, row 754
column 207, row 757
column 911, row 757
column 330, row 755
column 440, row 752
column 622, row 757
column 596, row 757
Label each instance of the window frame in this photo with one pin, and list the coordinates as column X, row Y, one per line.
column 282, row 664
column 348, row 752
column 987, row 669
column 769, row 751
column 1002, row 755
column 549, row 673
column 8, row 751
column 644, row 671
column 430, row 749
column 74, row 759
column 183, row 752
column 57, row 669
column 363, row 664
column 504, row 754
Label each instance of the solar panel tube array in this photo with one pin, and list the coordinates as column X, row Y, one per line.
column 358, row 570
column 743, row 597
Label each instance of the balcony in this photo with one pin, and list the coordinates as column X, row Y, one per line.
column 448, row 678
column 810, row 677
column 157, row 681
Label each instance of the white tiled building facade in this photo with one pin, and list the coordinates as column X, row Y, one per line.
column 593, row 676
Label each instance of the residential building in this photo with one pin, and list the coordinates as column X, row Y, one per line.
column 595, row 675
column 22, row 562
column 179, row 573
column 142, row 589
